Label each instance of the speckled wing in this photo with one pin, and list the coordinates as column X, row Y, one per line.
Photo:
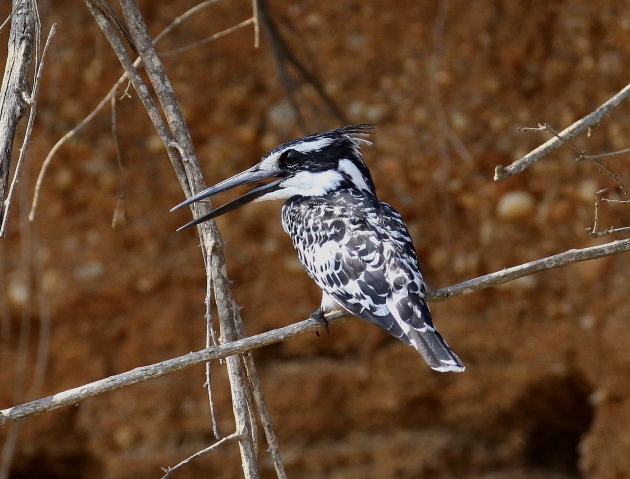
column 359, row 252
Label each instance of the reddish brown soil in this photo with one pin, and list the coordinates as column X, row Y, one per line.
column 546, row 393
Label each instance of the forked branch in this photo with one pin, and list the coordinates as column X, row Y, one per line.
column 590, row 120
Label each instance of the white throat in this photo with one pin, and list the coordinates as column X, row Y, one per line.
column 306, row 183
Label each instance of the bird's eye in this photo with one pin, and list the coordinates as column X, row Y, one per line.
column 290, row 157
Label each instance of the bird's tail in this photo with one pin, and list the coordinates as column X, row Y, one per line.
column 434, row 349
column 416, row 326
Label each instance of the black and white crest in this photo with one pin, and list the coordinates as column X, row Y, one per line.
column 355, row 247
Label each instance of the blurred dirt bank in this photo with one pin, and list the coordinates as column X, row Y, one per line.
column 546, row 392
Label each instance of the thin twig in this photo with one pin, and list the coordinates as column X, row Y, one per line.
column 5, row 315
column 580, row 154
column 209, row 39
column 611, row 230
column 265, row 417
column 6, row 20
column 169, row 470
column 120, row 212
column 282, row 56
column 62, row 141
column 210, row 341
column 107, row 12
column 592, row 119
column 256, row 23
column 144, row 373
column 43, row 313
column 436, row 99
column 605, row 155
column 277, row 50
column 611, row 175
column 181, row 18
column 594, row 230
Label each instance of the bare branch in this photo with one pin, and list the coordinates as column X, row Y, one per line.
column 189, row 175
column 590, row 120
column 120, row 212
column 14, row 91
column 29, row 128
column 144, row 373
column 510, row 274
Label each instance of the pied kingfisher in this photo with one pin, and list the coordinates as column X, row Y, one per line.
column 355, row 247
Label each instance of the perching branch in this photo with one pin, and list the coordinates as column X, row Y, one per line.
column 144, row 373
column 592, row 119
column 510, row 274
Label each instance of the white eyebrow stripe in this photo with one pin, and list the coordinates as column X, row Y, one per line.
column 313, row 145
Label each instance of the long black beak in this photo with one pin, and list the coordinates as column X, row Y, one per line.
column 248, row 176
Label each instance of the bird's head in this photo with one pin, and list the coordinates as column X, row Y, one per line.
column 310, row 166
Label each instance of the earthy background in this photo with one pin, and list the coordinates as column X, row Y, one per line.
column 546, row 393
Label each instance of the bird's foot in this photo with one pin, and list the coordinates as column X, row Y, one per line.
column 321, row 319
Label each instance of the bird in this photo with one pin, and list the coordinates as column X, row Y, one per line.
column 355, row 247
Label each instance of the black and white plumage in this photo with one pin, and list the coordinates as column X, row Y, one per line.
column 355, row 247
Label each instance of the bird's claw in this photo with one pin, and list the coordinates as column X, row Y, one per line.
column 321, row 319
